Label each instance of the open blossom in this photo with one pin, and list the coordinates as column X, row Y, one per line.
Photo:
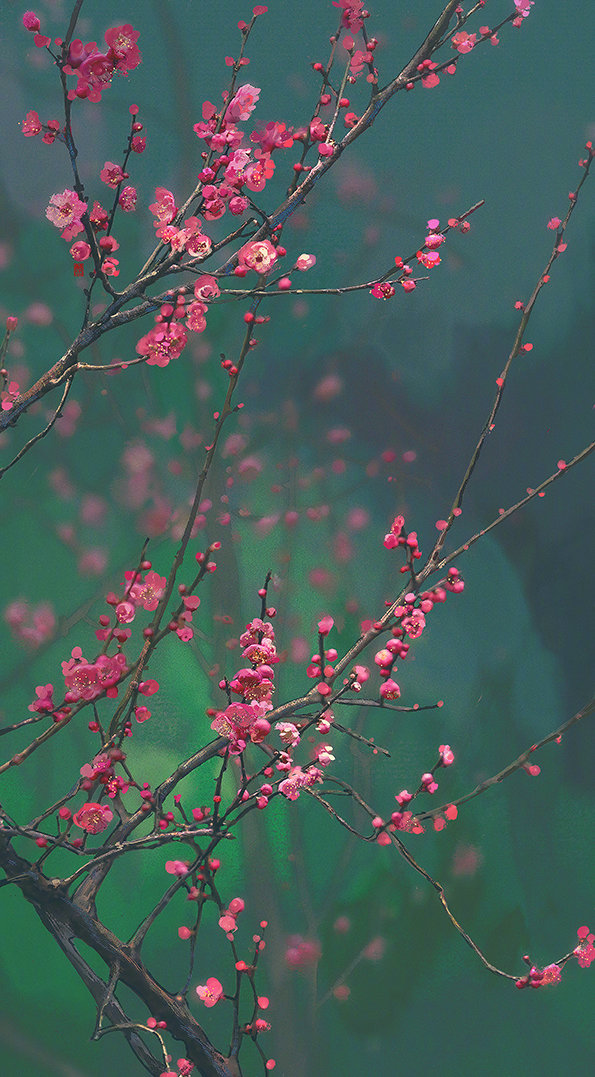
column 211, row 992
column 463, row 42
column 127, row 199
column 176, row 867
column 80, row 250
column 241, row 722
column 147, row 592
column 65, row 211
column 414, row 624
column 352, row 16
column 93, row 817
column 162, row 343
column 112, row 174
column 164, row 207
column 288, row 732
column 260, row 255
column 206, row 288
column 524, row 7
column 299, row 779
column 243, row 104
column 44, row 703
column 31, row 125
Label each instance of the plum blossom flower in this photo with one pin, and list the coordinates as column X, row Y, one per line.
column 243, row 103
column 164, row 207
column 260, row 256
column 206, row 288
column 241, row 722
column 80, row 250
column 162, row 343
column 112, row 174
column 446, row 755
column 93, row 817
column 524, row 7
column 305, row 261
column 299, row 779
column 585, row 951
column 463, row 42
column 127, row 199
column 65, row 211
column 414, row 624
column 176, row 867
column 31, row 125
column 211, row 992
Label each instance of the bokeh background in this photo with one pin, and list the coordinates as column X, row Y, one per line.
column 355, row 410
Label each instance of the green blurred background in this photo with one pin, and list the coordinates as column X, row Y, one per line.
column 511, row 658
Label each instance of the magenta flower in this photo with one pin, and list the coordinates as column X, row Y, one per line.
column 243, row 104
column 211, row 992
column 93, row 817
column 65, row 211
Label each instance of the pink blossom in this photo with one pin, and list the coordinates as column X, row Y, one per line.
column 211, row 992
column 176, row 867
column 524, row 7
column 127, row 199
column 206, row 288
column 305, row 261
column 414, row 624
column 260, row 256
column 164, row 208
column 31, row 125
column 241, row 722
column 121, row 41
column 299, row 779
column 31, row 22
column 585, row 951
column 80, row 250
column 274, row 136
column 163, row 343
column 93, row 817
column 300, row 952
column 44, row 703
column 65, row 211
column 389, row 689
column 112, row 174
column 554, row 223
column 352, row 14
column 243, row 103
column 288, row 733
column 446, row 755
column 463, row 42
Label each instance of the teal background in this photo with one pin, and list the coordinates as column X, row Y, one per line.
column 510, row 658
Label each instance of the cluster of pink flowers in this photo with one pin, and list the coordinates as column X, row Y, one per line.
column 95, row 70
column 102, row 770
column 585, row 951
column 141, row 593
column 87, row 680
column 32, row 126
column 33, row 625
column 244, row 721
column 167, row 339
